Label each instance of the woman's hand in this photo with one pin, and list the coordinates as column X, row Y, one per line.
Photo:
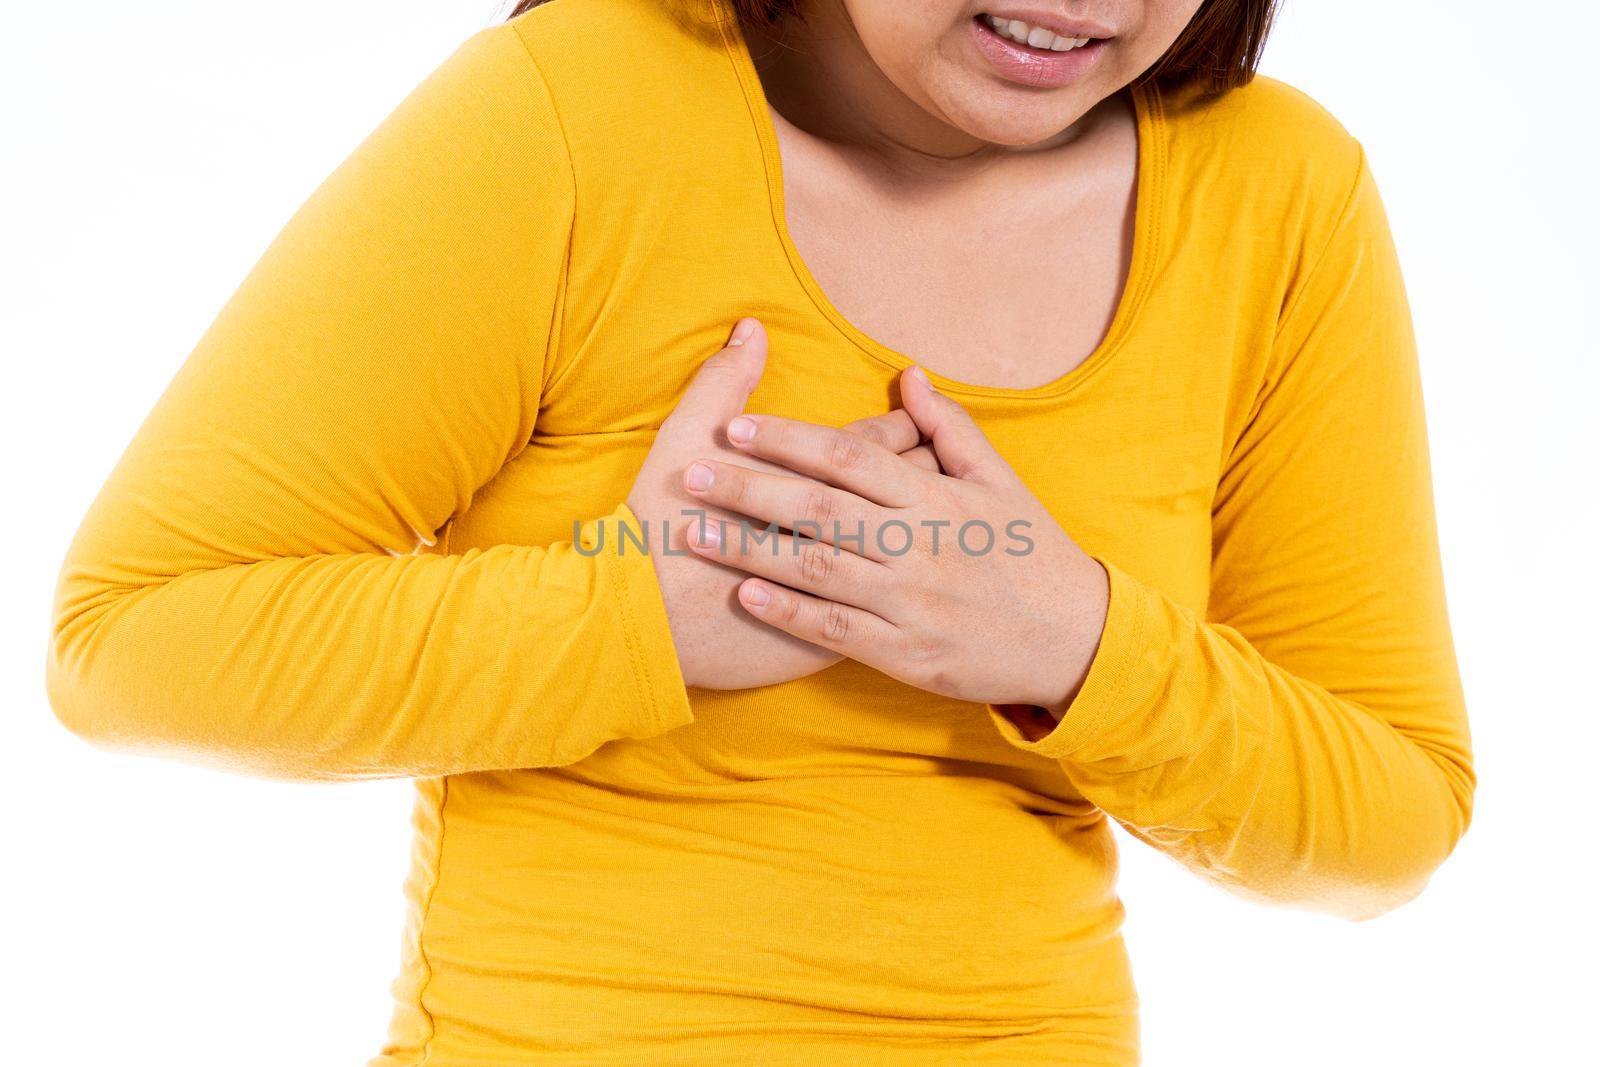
column 719, row 645
column 958, row 582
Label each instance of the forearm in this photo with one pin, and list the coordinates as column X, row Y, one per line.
column 360, row 665
column 1252, row 776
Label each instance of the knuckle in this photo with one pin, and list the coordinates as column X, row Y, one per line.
column 790, row 607
column 722, row 363
column 871, row 430
column 733, row 484
column 817, row 563
column 844, row 452
column 835, row 622
column 817, row 507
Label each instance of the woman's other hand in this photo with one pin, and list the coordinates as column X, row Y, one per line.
column 719, row 645
column 957, row 581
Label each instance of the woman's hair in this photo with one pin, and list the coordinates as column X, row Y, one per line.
column 1219, row 48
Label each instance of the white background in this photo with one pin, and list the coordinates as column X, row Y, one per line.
column 156, row 912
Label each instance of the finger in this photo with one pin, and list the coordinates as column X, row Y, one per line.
column 961, row 447
column 725, row 381
column 845, row 629
column 924, row 457
column 830, row 455
column 798, row 562
column 821, row 512
column 895, row 430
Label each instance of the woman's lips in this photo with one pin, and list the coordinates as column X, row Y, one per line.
column 1037, row 67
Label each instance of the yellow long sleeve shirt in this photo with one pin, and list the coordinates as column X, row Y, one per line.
column 341, row 546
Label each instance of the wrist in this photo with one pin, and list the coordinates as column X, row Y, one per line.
column 1067, row 661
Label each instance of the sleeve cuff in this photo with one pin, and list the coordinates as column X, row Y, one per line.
column 1120, row 681
column 658, row 686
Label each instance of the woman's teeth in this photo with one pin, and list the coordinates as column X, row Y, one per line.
column 1037, row 36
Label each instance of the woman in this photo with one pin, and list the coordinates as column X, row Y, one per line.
column 805, row 784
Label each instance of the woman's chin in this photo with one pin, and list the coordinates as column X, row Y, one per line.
column 1017, row 131
column 999, row 118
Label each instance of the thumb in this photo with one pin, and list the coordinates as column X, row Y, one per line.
column 725, row 381
column 963, row 450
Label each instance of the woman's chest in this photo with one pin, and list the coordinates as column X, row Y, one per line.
column 959, row 292
column 1011, row 277
column 1126, row 462
column 976, row 303
column 1123, row 450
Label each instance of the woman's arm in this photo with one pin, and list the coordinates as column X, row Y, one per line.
column 1306, row 740
column 243, row 590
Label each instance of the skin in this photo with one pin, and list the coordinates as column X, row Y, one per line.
column 719, row 645
column 898, row 75
column 978, row 624
column 902, row 146
column 982, row 225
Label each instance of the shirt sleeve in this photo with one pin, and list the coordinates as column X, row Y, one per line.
column 248, row 588
column 1305, row 742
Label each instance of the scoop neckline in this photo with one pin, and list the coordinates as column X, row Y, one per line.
column 1148, row 117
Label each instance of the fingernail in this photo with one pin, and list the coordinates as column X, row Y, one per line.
column 707, row 536
column 741, row 430
column 742, row 331
column 757, row 596
column 921, row 375
column 698, row 478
